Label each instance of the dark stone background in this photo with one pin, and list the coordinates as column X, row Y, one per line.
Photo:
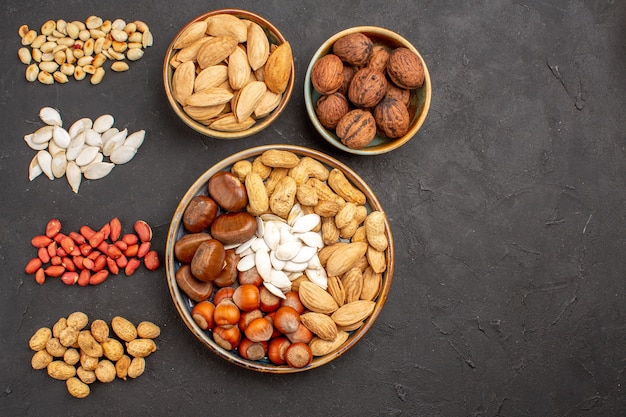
column 507, row 211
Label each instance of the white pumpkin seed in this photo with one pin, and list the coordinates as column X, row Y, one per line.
column 135, row 140
column 306, row 223
column 276, row 263
column 98, row 170
column 317, row 276
column 61, row 137
column 34, row 170
column 245, row 246
column 288, row 250
column 291, row 266
column 50, row 116
column 122, row 154
column 92, row 138
column 35, row 146
column 304, row 254
column 108, row 133
column 272, row 235
column 44, row 159
column 259, row 245
column 280, row 280
column 246, row 263
column 54, row 149
column 313, row 239
column 103, row 123
column 87, row 155
column 263, row 264
column 76, row 145
column 73, row 175
column 78, row 125
column 59, row 164
column 43, row 134
column 274, row 290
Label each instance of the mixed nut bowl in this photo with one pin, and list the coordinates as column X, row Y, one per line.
column 279, row 258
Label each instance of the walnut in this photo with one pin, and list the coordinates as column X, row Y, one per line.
column 356, row 129
column 378, row 59
column 401, row 94
column 327, row 74
column 405, row 68
column 392, row 117
column 348, row 73
column 367, row 88
column 330, row 109
column 355, row 48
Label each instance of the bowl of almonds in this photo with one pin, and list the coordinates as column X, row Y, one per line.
column 367, row 90
column 229, row 73
column 279, row 258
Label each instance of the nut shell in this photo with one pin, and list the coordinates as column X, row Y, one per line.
column 405, row 68
column 356, row 129
column 367, row 88
column 330, row 109
column 355, row 48
column 392, row 117
column 327, row 74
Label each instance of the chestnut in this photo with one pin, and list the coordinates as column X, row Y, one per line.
column 233, row 228
column 228, row 191
column 195, row 289
column 228, row 275
column 186, row 246
column 199, row 214
column 208, row 261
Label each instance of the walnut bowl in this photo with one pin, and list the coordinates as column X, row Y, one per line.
column 418, row 101
column 185, row 305
column 202, row 124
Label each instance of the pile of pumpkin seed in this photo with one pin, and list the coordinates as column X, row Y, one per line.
column 64, row 50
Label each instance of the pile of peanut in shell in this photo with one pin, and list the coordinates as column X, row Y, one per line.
column 226, row 73
column 63, row 50
column 365, row 89
column 262, row 300
column 79, row 353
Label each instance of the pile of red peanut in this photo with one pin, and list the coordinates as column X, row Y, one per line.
column 89, row 256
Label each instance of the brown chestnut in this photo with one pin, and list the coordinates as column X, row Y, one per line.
column 228, row 275
column 186, row 246
column 194, row 288
column 208, row 261
column 228, row 191
column 199, row 214
column 232, row 228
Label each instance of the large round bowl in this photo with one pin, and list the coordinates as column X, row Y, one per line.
column 275, row 38
column 184, row 304
column 419, row 100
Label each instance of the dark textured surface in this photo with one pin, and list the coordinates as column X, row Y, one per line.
column 507, row 211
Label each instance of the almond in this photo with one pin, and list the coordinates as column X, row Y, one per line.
column 215, row 50
column 258, row 46
column 190, row 34
column 183, row 81
column 212, row 76
column 229, row 123
column 277, row 69
column 316, row 299
column 227, row 25
column 320, row 324
column 238, row 69
column 353, row 284
column 212, row 96
column 342, row 259
column 353, row 312
column 321, row 347
column 249, row 96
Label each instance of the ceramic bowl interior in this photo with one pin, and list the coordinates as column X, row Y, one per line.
column 184, row 304
column 274, row 36
column 419, row 101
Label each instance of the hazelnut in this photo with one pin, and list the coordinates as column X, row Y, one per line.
column 392, row 117
column 330, row 109
column 379, row 58
column 367, row 87
column 405, row 68
column 356, row 129
column 355, row 48
column 327, row 74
